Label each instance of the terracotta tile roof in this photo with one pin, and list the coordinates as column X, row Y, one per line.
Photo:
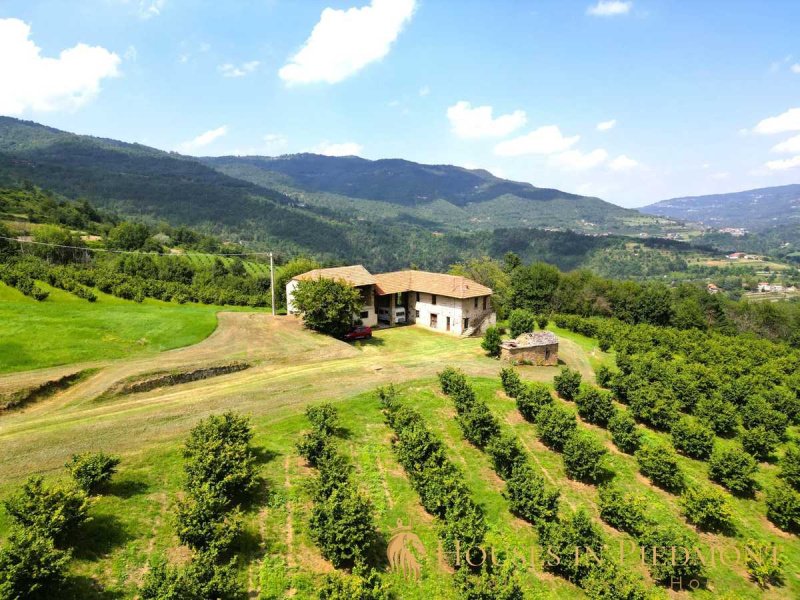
column 355, row 275
column 453, row 286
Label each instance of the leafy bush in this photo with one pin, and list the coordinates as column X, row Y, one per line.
column 718, row 414
column 783, row 507
column 203, row 522
column 790, row 466
column 624, row 432
column 52, row 511
column 567, row 383
column 491, row 341
column 611, row 581
column 323, row 417
column 363, row 584
column 218, row 457
column 31, row 566
column 583, row 456
column 654, row 405
column 559, row 540
column 594, row 405
column 555, row 425
column 529, row 497
column 734, row 469
column 315, row 446
column 531, row 398
column 521, row 321
column 708, row 508
column 623, row 510
column 489, row 583
column 764, row 563
column 759, row 441
column 604, row 376
column 757, row 412
column 659, row 542
column 204, row 578
column 506, row 452
column 692, row 438
column 542, row 321
column 342, row 526
column 478, row 424
column 659, row 463
column 91, row 471
column 512, row 384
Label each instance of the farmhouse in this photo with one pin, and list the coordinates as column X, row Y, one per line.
column 539, row 348
column 447, row 303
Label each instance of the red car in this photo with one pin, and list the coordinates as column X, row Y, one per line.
column 359, row 333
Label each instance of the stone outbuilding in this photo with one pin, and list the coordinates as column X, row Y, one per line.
column 539, row 348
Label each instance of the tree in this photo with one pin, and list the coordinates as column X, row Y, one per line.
column 559, row 540
column 491, row 341
column 285, row 273
column 363, row 584
column 92, row 471
column 567, row 383
column 555, row 425
column 489, row 583
column 764, row 563
column 52, row 511
column 531, row 398
column 31, row 566
column 708, row 508
column 528, row 496
column 521, row 321
column 533, row 287
column 583, row 456
column 478, row 424
column 608, row 580
column 603, row 374
column 659, row 542
column 512, row 384
column 790, row 466
column 624, row 432
column 594, row 405
column 734, row 469
column 783, row 507
column 720, row 415
column 506, row 452
column 203, row 522
column 692, row 438
column 328, row 306
column 623, row 510
column 323, row 417
column 759, row 441
column 342, row 526
column 659, row 462
column 128, row 236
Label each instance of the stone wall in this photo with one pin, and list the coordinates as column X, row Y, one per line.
column 545, row 355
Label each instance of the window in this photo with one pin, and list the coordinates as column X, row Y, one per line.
column 484, row 302
column 476, row 302
column 433, row 298
column 434, row 320
column 419, row 296
column 466, row 323
column 416, row 314
column 365, row 314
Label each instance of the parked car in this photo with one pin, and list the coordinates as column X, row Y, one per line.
column 384, row 315
column 359, row 333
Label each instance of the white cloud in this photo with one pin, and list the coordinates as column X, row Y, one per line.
column 575, row 160
column 606, row 125
column 795, row 68
column 424, row 91
column 790, row 146
column 34, row 82
column 622, row 163
column 345, row 41
column 610, row 8
column 788, row 121
column 544, row 140
column 203, row 140
column 131, row 54
column 471, row 123
column 341, row 149
column 231, row 70
column 783, row 165
column 151, row 8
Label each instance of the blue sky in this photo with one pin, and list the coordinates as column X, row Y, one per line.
column 632, row 101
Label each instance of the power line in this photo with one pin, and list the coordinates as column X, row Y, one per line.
column 111, row 251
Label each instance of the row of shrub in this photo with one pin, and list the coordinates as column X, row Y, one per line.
column 45, row 521
column 221, row 473
column 22, row 282
column 444, row 494
column 727, row 384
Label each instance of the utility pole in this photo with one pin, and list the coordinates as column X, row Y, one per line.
column 272, row 282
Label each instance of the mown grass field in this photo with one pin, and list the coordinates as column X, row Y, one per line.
column 292, row 369
column 65, row 329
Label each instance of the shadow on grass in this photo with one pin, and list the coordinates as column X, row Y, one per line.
column 80, row 587
column 264, row 455
column 373, row 341
column 99, row 536
column 126, row 488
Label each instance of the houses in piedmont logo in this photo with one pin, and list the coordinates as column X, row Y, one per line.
column 404, row 551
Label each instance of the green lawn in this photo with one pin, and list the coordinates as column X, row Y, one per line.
column 65, row 329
